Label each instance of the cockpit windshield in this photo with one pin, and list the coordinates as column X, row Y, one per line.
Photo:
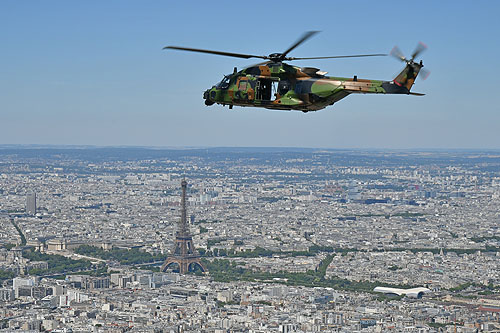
column 224, row 84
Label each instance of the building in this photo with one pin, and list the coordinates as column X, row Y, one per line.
column 56, row 245
column 7, row 294
column 23, row 281
column 413, row 292
column 31, row 203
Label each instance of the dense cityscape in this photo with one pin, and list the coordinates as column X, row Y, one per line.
column 290, row 240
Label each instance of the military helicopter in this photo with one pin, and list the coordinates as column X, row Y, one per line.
column 276, row 85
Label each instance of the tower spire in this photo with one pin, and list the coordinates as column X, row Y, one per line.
column 184, row 254
column 183, row 228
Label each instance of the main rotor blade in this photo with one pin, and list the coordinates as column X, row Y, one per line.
column 336, row 57
column 227, row 54
column 304, row 37
column 421, row 47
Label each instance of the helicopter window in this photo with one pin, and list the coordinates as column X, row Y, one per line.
column 224, row 84
column 274, row 87
column 303, row 86
column 283, row 87
column 243, row 85
column 298, row 87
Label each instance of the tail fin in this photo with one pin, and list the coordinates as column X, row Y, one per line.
column 408, row 75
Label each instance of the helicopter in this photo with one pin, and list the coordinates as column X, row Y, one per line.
column 277, row 85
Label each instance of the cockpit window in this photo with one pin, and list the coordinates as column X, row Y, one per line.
column 224, row 84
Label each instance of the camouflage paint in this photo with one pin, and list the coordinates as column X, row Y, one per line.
column 303, row 89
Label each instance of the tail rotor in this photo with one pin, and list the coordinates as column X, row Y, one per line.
column 421, row 47
column 424, row 74
column 416, row 66
column 396, row 53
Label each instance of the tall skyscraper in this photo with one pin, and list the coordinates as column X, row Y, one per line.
column 31, row 203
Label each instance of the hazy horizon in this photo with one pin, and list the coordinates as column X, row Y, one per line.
column 277, row 148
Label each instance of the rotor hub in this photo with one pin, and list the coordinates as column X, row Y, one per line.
column 276, row 57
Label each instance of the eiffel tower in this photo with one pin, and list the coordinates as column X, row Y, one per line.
column 184, row 253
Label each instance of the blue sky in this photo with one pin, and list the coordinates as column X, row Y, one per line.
column 94, row 72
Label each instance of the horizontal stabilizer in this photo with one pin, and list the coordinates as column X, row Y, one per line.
column 416, row 94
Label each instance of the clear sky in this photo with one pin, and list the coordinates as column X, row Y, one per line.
column 94, row 72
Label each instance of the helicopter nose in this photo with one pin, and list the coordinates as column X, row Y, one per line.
column 206, row 97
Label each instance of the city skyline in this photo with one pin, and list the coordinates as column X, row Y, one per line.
column 294, row 240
